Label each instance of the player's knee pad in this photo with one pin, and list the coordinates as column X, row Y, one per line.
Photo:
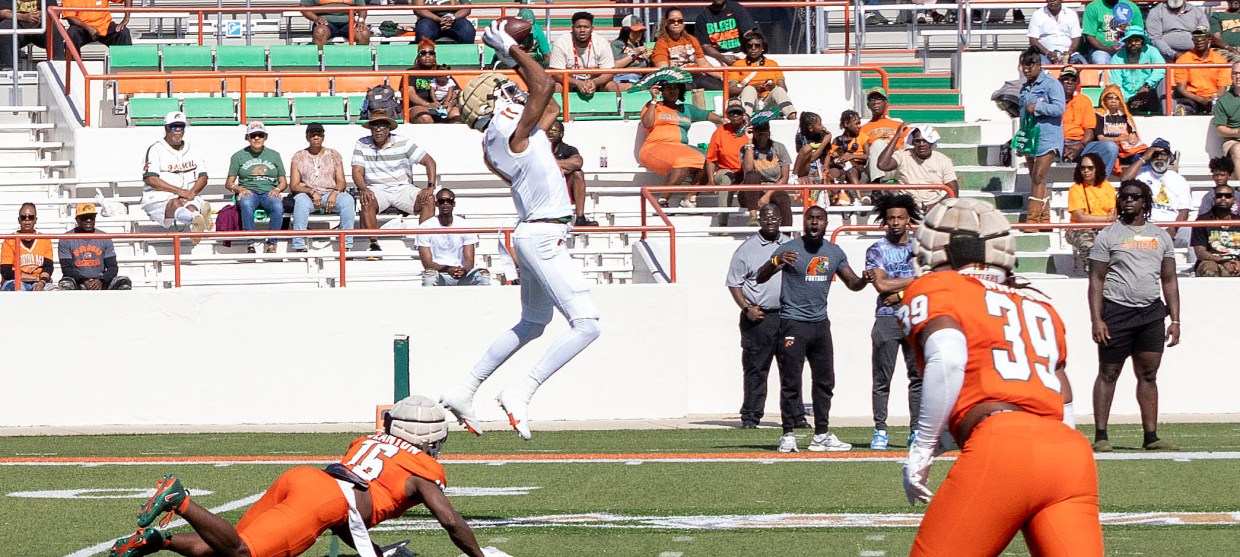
column 587, row 328
column 528, row 330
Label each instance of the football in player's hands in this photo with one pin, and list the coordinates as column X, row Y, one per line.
column 517, row 28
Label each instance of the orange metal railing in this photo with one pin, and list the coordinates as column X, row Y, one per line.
column 1061, row 226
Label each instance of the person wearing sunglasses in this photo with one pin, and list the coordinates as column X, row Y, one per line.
column 256, row 176
column 32, row 256
column 760, row 88
column 448, row 259
column 1132, row 259
column 1221, row 169
column 1217, row 247
column 677, row 48
column 173, row 177
column 432, row 99
column 1090, row 199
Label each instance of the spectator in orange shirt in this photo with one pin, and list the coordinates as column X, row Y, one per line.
column 34, row 260
column 95, row 27
column 1090, row 199
column 723, row 154
column 878, row 132
column 1080, row 121
column 679, row 49
column 760, row 89
column 1195, row 90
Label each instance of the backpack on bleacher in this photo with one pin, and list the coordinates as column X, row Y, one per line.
column 380, row 97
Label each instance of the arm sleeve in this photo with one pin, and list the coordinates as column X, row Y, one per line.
column 1076, row 198
column 947, row 353
column 1102, row 249
column 782, row 152
column 234, row 165
column 660, row 52
column 1054, row 104
column 150, row 165
column 736, row 271
column 47, row 266
column 358, row 158
column 712, row 150
column 873, row 257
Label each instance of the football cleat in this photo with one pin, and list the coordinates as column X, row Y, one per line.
column 170, row 497
column 516, row 409
column 143, row 542
column 461, row 404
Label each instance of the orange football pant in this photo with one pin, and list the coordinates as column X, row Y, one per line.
column 286, row 521
column 1021, row 472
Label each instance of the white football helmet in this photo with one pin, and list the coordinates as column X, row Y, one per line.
column 971, row 236
column 418, row 419
column 484, row 95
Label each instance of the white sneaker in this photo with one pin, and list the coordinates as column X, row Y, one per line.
column 788, row 443
column 461, row 403
column 517, row 409
column 828, row 442
column 688, row 203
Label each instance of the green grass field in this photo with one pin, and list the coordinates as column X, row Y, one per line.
column 632, row 506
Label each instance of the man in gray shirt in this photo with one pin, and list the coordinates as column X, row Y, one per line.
column 759, row 305
column 806, row 266
column 1131, row 259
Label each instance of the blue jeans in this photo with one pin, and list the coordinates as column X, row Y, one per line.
column 461, row 32
column 8, row 286
column 303, row 205
column 258, row 200
column 1108, row 150
column 474, row 277
column 1099, row 57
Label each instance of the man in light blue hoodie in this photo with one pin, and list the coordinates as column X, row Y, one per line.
column 1141, row 86
column 1042, row 97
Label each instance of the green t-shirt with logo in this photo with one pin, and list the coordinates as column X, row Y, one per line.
column 259, row 173
column 1099, row 21
column 1227, row 25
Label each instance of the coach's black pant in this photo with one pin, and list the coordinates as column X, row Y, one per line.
column 886, row 341
column 801, row 341
column 758, row 342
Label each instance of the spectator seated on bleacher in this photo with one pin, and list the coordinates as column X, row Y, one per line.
column 33, row 257
column 878, row 132
column 760, row 88
column 919, row 163
column 1057, row 34
column 721, row 28
column 438, row 24
column 1090, row 199
column 766, row 161
column 89, row 264
column 1171, row 24
column 1227, row 118
column 1221, row 169
column 536, row 45
column 1104, row 23
column 448, row 259
column 256, row 176
column 1217, row 247
column 28, row 16
column 1196, row 89
column 432, row 99
column 570, row 161
column 1142, row 87
column 1173, row 199
column 1115, row 124
column 316, row 178
column 723, row 154
column 95, row 27
column 173, row 177
column 666, row 150
column 382, row 168
column 1225, row 31
column 678, row 49
column 329, row 25
column 581, row 49
column 813, row 145
column 1080, row 125
column 629, row 51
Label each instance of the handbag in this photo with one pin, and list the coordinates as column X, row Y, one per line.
column 1025, row 142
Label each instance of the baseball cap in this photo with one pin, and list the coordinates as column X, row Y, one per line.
column 84, row 209
column 735, row 105
column 1201, row 30
column 1133, row 32
column 255, row 127
column 632, row 22
column 1161, row 143
column 315, row 128
column 1069, row 71
column 876, row 91
column 175, row 118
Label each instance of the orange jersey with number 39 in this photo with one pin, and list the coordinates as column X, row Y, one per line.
column 387, row 462
column 1015, row 342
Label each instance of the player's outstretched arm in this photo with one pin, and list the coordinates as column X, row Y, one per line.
column 541, row 90
column 443, row 511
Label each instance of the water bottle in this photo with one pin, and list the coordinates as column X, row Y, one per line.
column 602, row 157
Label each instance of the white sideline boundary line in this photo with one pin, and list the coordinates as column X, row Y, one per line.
column 231, row 505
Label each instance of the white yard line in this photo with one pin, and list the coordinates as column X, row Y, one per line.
column 231, row 505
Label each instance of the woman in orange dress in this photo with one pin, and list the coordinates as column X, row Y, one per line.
column 666, row 149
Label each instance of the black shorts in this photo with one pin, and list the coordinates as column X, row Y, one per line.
column 1132, row 330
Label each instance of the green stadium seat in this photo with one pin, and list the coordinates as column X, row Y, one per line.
column 488, row 56
column 711, row 97
column 294, row 56
column 269, row 110
column 355, row 105
column 137, row 58
column 395, row 56
column 190, row 57
column 600, row 106
column 214, row 111
column 240, row 57
column 634, row 101
column 324, row 110
column 150, row 111
column 348, row 56
column 458, row 56
column 1094, row 93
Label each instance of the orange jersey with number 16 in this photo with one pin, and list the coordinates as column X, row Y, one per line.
column 1015, row 342
column 387, row 462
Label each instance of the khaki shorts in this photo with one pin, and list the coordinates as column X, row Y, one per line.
column 1227, row 145
column 404, row 198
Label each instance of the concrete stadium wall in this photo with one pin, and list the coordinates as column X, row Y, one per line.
column 292, row 355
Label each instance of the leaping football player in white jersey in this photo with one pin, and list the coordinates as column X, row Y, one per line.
column 516, row 148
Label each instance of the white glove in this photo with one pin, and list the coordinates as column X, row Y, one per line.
column 491, row 551
column 497, row 38
column 917, row 473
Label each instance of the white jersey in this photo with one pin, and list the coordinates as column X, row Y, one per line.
column 179, row 167
column 538, row 187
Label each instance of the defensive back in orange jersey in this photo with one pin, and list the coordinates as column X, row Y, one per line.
column 1015, row 341
column 387, row 462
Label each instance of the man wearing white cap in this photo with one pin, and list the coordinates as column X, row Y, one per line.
column 174, row 175
column 256, row 176
column 919, row 163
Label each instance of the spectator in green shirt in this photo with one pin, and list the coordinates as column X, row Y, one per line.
column 1227, row 117
column 1225, row 31
column 256, row 176
column 1103, row 25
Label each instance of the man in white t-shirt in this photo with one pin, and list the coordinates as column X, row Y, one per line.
column 173, row 177
column 582, row 48
column 1056, row 33
column 1173, row 199
column 448, row 259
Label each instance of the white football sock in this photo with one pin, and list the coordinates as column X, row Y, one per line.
column 183, row 215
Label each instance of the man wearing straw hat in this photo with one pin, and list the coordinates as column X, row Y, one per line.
column 383, row 171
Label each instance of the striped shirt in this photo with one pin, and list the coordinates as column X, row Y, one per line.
column 390, row 167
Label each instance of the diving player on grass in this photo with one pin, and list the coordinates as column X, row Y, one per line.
column 515, row 147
